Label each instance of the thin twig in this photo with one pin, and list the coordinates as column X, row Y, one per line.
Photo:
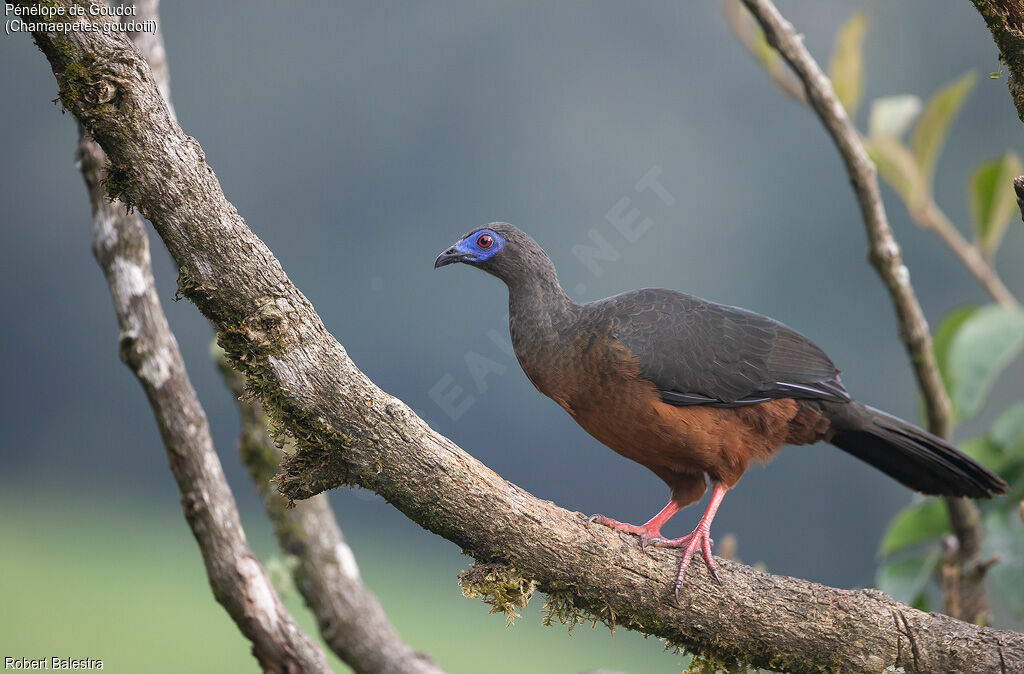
column 930, row 216
column 752, row 38
column 950, row 574
column 885, row 255
column 351, row 619
column 884, row 252
column 149, row 349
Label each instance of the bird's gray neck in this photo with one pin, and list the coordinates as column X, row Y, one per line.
column 543, row 323
column 541, row 315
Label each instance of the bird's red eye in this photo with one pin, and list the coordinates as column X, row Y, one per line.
column 485, row 241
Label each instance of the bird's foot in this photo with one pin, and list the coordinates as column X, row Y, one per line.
column 648, row 533
column 700, row 538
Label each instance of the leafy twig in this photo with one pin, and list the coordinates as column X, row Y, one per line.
column 885, row 255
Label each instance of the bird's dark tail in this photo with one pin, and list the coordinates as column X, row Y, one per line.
column 903, row 451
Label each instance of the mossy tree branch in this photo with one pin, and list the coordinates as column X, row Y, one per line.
column 348, row 431
column 1005, row 20
column 148, row 348
column 351, row 619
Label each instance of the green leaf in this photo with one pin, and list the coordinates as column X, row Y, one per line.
column 993, row 200
column 1008, row 430
column 918, row 522
column 1003, row 537
column 764, row 52
column 981, row 348
column 943, row 338
column 846, row 69
column 905, row 579
column 892, row 115
column 897, row 166
column 985, row 451
column 939, row 113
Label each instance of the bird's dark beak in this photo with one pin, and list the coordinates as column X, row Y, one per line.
column 450, row 256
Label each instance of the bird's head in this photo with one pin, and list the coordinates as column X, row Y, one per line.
column 500, row 249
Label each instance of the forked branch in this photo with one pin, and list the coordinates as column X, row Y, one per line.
column 148, row 348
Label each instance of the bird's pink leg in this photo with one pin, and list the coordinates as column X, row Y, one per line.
column 648, row 531
column 701, row 536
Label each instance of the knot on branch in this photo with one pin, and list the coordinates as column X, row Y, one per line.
column 499, row 585
column 83, row 86
column 100, row 92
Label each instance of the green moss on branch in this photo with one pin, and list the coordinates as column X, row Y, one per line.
column 501, row 586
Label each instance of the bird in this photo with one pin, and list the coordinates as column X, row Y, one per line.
column 695, row 391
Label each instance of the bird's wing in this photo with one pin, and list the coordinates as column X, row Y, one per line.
column 701, row 353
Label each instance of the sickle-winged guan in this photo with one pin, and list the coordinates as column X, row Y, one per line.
column 694, row 390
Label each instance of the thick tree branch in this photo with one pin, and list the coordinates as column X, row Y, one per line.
column 151, row 44
column 1018, row 189
column 149, row 349
column 1005, row 20
column 349, row 431
column 885, row 256
column 352, row 621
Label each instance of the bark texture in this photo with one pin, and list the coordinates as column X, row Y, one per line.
column 148, row 348
column 1005, row 19
column 350, row 432
column 351, row 619
column 1018, row 188
column 885, row 256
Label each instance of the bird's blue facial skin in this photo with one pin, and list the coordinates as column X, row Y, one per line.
column 474, row 248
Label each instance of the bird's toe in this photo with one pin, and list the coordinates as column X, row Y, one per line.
column 700, row 538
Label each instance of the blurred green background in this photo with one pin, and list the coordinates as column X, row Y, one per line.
column 85, row 577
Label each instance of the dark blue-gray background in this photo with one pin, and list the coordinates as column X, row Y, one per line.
column 359, row 140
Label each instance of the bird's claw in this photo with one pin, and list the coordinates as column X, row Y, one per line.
column 645, row 540
column 701, row 537
column 648, row 535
